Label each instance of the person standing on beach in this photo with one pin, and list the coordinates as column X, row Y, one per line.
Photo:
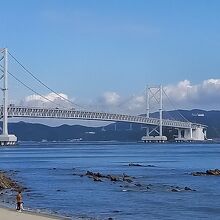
column 19, row 201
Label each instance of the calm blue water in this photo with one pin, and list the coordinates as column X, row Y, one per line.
column 48, row 172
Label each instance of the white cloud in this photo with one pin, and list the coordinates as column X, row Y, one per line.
column 183, row 95
column 111, row 98
column 136, row 103
column 115, row 103
column 108, row 100
column 50, row 97
column 203, row 95
column 50, row 100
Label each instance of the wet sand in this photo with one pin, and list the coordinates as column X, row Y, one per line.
column 9, row 214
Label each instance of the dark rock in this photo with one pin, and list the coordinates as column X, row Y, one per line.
column 135, row 165
column 215, row 172
column 96, row 176
column 138, row 184
column 175, row 190
column 112, row 178
column 188, row 189
column 7, row 183
column 199, row 174
column 125, row 175
column 127, row 178
column 96, row 179
column 99, row 175
column 89, row 173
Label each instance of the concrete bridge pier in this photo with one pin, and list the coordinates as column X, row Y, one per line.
column 191, row 134
column 199, row 133
column 184, row 135
column 154, row 139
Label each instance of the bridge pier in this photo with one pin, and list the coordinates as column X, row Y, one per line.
column 199, row 133
column 8, row 139
column 190, row 134
column 154, row 139
column 5, row 138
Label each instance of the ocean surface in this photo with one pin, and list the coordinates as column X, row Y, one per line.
column 54, row 176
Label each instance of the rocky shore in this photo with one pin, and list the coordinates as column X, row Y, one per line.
column 215, row 172
column 7, row 183
column 130, row 183
column 8, row 189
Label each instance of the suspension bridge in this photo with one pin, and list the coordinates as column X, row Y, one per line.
column 187, row 131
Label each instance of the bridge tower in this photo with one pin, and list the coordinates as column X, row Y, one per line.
column 5, row 138
column 155, row 93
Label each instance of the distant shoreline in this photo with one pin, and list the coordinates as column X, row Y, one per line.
column 111, row 142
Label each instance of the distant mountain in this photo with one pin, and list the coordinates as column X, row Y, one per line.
column 119, row 131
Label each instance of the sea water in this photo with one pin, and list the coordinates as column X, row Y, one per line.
column 54, row 176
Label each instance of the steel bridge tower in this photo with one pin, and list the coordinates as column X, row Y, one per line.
column 155, row 93
column 5, row 138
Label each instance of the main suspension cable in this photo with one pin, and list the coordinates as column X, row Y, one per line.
column 28, row 87
column 42, row 83
column 57, row 104
column 175, row 106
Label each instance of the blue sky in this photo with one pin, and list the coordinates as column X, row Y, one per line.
column 87, row 48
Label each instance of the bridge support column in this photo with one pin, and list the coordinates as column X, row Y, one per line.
column 205, row 134
column 199, row 133
column 179, row 133
column 184, row 135
column 147, row 131
column 188, row 134
column 5, row 138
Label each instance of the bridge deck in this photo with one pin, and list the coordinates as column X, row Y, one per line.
column 35, row 112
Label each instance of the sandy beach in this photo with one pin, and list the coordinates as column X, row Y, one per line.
column 9, row 214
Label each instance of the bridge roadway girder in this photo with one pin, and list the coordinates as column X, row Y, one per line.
column 35, row 112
